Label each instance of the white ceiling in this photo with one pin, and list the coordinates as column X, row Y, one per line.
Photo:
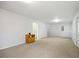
column 43, row 10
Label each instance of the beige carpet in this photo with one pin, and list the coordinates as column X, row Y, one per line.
column 47, row 47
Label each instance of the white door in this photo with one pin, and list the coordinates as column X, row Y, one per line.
column 35, row 29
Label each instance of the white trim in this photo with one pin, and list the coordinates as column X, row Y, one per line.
column 12, row 45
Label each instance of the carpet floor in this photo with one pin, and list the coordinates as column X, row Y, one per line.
column 51, row 47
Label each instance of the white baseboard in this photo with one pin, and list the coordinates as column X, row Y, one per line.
column 11, row 45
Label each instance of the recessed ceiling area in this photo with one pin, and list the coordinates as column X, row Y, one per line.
column 43, row 10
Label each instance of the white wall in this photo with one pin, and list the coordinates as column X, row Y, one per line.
column 75, row 29
column 77, row 41
column 42, row 30
column 39, row 28
column 13, row 28
column 74, row 34
column 55, row 30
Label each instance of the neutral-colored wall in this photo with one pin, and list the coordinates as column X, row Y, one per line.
column 74, row 37
column 39, row 28
column 42, row 30
column 77, row 32
column 55, row 30
column 75, row 29
column 13, row 28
